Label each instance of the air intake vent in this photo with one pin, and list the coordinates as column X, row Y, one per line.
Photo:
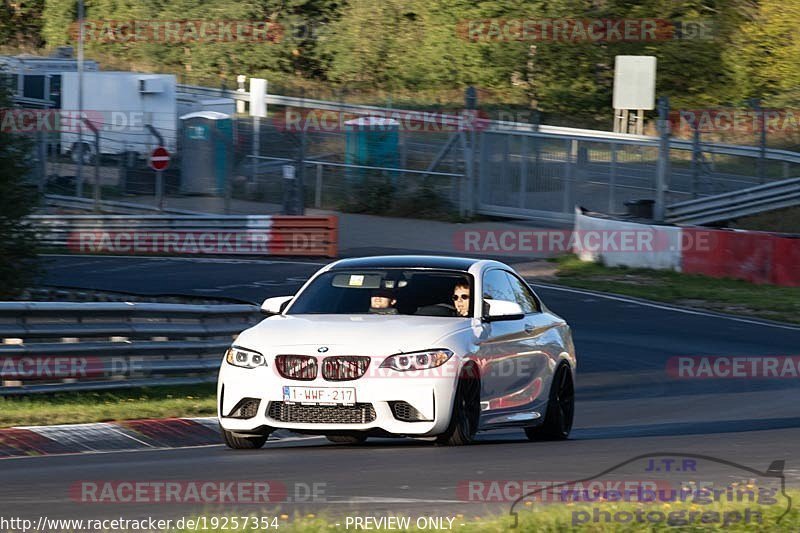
column 300, row 367
column 406, row 412
column 360, row 413
column 344, row 367
column 246, row 408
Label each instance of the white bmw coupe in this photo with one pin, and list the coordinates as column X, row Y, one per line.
column 415, row 346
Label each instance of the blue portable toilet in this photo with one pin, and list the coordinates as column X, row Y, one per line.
column 372, row 141
column 207, row 152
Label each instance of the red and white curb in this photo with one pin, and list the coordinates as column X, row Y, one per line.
column 110, row 436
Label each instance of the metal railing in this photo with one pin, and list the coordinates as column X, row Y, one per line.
column 768, row 197
column 52, row 347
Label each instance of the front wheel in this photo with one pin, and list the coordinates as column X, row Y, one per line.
column 466, row 412
column 560, row 409
column 243, row 443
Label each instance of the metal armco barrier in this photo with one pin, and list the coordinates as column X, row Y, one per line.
column 252, row 235
column 51, row 347
column 777, row 195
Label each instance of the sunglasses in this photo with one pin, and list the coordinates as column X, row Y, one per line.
column 463, row 297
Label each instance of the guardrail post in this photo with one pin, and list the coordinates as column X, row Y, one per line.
column 663, row 158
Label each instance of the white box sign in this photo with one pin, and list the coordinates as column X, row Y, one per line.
column 634, row 82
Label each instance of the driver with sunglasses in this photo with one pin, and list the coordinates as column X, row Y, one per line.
column 461, row 298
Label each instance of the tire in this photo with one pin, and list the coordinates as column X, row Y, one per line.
column 560, row 408
column 243, row 443
column 346, row 439
column 466, row 411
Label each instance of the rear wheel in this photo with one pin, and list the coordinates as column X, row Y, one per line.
column 243, row 443
column 346, row 439
column 560, row 409
column 466, row 411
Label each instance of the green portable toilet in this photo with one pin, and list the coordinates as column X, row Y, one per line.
column 374, row 142
column 206, row 152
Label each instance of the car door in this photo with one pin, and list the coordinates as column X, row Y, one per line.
column 544, row 344
column 502, row 344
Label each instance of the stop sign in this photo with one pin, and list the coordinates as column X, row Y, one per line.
column 159, row 159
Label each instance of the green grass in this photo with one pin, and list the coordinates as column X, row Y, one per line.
column 562, row 518
column 80, row 407
column 723, row 295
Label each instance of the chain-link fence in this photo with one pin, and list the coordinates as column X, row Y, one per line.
column 400, row 162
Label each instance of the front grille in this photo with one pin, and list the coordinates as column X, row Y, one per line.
column 247, row 408
column 360, row 413
column 300, row 367
column 344, row 367
column 406, row 412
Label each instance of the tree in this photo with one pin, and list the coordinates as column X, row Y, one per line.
column 18, row 243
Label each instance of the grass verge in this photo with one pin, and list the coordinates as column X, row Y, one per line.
column 723, row 295
column 81, row 407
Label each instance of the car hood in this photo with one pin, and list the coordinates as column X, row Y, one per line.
column 356, row 333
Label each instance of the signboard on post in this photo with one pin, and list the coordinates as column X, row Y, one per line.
column 159, row 159
column 634, row 89
column 258, row 97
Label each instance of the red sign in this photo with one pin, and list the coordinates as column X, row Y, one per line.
column 159, row 159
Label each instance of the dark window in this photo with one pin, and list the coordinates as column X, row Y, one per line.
column 346, row 292
column 523, row 295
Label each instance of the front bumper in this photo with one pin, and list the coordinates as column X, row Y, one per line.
column 429, row 393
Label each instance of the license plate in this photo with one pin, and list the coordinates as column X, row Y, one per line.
column 320, row 395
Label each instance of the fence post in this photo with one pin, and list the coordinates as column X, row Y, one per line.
column 612, row 180
column 318, row 189
column 96, row 163
column 42, row 148
column 159, row 174
column 755, row 103
column 568, row 172
column 663, row 158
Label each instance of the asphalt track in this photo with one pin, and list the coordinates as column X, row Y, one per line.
column 627, row 405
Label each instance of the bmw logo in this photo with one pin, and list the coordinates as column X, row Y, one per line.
column 322, row 349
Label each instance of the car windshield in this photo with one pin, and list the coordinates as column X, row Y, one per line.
column 386, row 292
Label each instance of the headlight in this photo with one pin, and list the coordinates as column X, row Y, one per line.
column 244, row 358
column 417, row 360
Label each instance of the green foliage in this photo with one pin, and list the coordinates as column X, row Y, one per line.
column 414, row 48
column 17, row 200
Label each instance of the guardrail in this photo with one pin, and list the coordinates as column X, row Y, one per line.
column 52, row 347
column 110, row 206
column 251, row 235
column 776, row 195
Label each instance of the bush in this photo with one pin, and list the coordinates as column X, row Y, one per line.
column 18, row 243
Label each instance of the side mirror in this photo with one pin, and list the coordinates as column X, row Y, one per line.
column 275, row 305
column 503, row 310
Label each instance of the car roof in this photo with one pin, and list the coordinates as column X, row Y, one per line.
column 407, row 261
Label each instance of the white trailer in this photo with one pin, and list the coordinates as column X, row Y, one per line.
column 121, row 105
